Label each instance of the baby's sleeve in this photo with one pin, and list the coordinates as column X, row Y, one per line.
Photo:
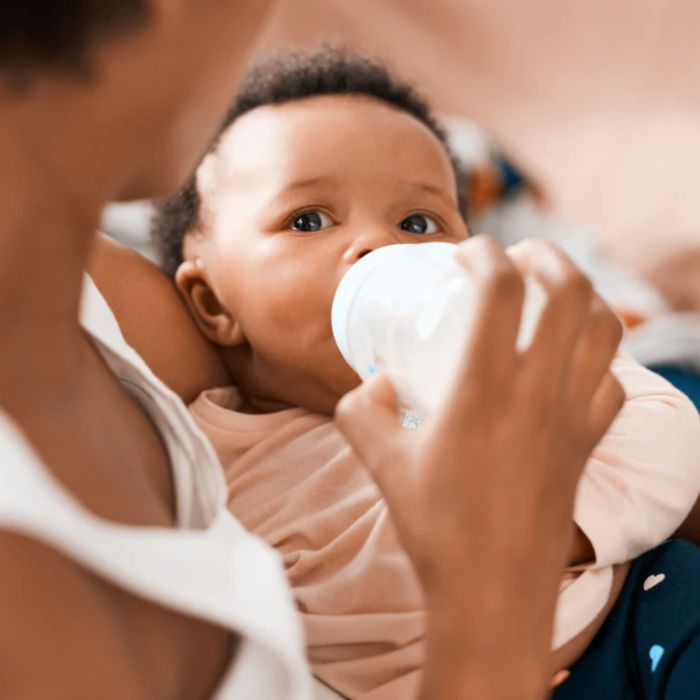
column 644, row 476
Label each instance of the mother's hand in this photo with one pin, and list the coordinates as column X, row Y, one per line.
column 482, row 495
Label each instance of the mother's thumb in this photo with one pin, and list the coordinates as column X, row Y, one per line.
column 370, row 419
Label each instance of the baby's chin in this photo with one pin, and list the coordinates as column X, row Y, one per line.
column 317, row 392
column 335, row 385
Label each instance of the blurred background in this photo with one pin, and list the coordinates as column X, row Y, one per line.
column 598, row 102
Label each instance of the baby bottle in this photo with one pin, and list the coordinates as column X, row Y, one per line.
column 404, row 309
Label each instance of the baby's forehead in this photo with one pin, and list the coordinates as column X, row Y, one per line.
column 324, row 135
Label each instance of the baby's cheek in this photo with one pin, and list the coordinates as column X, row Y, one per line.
column 284, row 304
column 293, row 318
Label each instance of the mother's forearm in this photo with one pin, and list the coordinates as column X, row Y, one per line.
column 496, row 659
column 155, row 321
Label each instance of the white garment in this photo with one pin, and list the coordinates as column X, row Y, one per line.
column 208, row 567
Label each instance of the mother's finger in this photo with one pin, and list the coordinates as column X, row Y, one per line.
column 607, row 401
column 489, row 356
column 598, row 343
column 370, row 419
column 569, row 294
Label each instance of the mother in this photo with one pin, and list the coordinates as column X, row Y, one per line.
column 123, row 575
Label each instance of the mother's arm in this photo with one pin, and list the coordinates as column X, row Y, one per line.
column 482, row 496
column 155, row 321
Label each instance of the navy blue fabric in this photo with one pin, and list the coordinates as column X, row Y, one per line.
column 649, row 647
column 512, row 180
column 687, row 380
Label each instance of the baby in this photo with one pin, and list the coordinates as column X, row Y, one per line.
column 322, row 160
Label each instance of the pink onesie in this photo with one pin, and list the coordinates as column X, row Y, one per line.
column 295, row 482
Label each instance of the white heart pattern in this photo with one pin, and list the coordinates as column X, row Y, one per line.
column 653, row 580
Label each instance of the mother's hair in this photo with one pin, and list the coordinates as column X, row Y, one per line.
column 60, row 34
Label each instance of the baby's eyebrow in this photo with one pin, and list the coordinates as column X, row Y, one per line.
column 311, row 182
column 434, row 190
column 306, row 183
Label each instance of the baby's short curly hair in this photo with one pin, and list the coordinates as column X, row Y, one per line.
column 289, row 78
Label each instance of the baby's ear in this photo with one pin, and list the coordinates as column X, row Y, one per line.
column 214, row 320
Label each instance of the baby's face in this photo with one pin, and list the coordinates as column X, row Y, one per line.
column 294, row 195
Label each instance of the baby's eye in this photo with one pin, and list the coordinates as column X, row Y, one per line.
column 420, row 224
column 311, row 221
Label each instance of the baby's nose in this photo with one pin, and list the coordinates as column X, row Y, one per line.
column 368, row 241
